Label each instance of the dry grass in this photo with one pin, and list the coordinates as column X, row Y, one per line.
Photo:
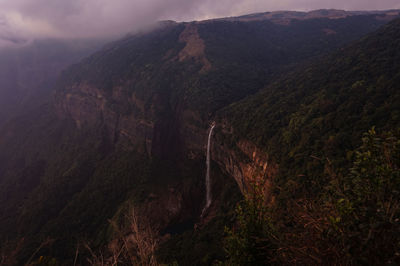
column 9, row 252
column 308, row 242
column 134, row 244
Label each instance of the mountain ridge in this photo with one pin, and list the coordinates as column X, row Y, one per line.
column 129, row 125
column 284, row 17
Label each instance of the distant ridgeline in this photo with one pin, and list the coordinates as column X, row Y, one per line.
column 333, row 128
column 324, row 107
column 129, row 126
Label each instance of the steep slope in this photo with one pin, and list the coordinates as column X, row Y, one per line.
column 129, row 125
column 334, row 197
column 147, row 81
column 321, row 110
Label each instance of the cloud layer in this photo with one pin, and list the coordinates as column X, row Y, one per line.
column 22, row 20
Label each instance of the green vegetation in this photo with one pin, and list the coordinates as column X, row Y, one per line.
column 309, row 113
column 61, row 185
column 334, row 203
column 252, row 240
column 354, row 220
column 368, row 203
column 76, row 180
column 203, row 245
column 245, row 57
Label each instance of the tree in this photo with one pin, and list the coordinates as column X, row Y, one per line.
column 368, row 202
column 252, row 241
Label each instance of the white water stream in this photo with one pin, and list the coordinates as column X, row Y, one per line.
column 208, row 182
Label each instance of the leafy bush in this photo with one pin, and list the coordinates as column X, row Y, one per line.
column 354, row 220
column 252, row 241
column 368, row 203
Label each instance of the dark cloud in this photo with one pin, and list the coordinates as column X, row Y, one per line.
column 27, row 19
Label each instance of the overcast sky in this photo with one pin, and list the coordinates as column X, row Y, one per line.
column 23, row 20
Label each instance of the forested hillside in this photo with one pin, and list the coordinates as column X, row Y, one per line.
column 323, row 108
column 333, row 128
column 126, row 133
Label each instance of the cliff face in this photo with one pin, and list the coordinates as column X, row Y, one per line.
column 143, row 114
column 88, row 106
column 157, row 92
column 181, row 134
column 140, row 113
column 243, row 161
column 144, row 109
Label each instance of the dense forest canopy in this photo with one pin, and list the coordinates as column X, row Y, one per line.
column 119, row 149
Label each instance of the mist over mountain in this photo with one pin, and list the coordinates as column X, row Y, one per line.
column 22, row 21
column 28, row 73
column 103, row 155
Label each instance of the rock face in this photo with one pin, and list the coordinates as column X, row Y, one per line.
column 182, row 135
column 194, row 47
column 244, row 161
column 89, row 106
column 153, row 123
column 156, row 93
column 138, row 114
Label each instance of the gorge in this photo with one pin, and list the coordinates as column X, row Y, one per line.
column 280, row 99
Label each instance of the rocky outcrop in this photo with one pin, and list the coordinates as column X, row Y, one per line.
column 244, row 161
column 88, row 106
column 194, row 47
column 160, row 124
column 185, row 130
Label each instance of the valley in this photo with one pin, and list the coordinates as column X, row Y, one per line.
column 188, row 121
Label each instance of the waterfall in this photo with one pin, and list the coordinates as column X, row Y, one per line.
column 208, row 183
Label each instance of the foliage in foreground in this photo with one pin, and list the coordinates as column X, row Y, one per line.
column 252, row 240
column 133, row 244
column 354, row 220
